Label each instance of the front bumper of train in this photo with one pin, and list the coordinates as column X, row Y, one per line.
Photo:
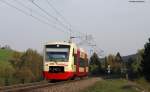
column 57, row 76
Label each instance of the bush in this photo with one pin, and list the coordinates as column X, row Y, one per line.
column 6, row 72
column 28, row 64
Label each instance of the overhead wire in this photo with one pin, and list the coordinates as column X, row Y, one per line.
column 84, row 37
column 50, row 4
column 43, row 10
column 32, row 1
column 62, row 17
column 81, row 36
column 69, row 27
column 24, row 12
column 32, row 11
column 44, row 22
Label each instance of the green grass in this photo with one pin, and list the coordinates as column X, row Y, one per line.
column 111, row 86
column 5, row 55
column 143, row 83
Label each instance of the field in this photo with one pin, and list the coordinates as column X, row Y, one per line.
column 116, row 85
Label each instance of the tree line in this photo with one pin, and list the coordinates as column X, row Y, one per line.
column 22, row 67
column 134, row 67
column 27, row 66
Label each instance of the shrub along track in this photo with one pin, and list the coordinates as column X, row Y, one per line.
column 48, row 87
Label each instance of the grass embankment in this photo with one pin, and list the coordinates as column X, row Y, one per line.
column 111, row 86
column 5, row 54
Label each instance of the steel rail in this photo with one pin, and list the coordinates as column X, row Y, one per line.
column 32, row 86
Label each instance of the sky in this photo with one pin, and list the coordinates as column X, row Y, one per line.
column 116, row 25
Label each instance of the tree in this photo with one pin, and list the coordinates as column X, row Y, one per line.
column 94, row 60
column 145, row 65
column 25, row 75
column 33, row 61
column 115, row 62
column 16, row 60
column 95, row 64
column 110, row 61
column 6, row 71
column 136, row 65
column 28, row 64
column 118, row 62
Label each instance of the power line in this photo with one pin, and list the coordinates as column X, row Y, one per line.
column 30, row 9
column 50, row 4
column 22, row 4
column 71, row 30
column 44, row 22
column 4, row 1
column 20, row 10
column 61, row 16
column 32, row 1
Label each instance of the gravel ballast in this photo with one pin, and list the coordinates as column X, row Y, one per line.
column 75, row 86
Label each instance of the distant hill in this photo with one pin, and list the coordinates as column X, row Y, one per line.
column 125, row 58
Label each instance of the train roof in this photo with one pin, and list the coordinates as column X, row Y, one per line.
column 60, row 42
column 66, row 43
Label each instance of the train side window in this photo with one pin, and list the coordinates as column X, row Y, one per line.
column 82, row 62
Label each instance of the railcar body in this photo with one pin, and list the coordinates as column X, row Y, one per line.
column 63, row 61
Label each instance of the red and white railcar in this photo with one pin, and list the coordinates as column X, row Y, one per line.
column 63, row 61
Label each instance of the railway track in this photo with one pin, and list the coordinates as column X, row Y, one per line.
column 31, row 86
column 22, row 87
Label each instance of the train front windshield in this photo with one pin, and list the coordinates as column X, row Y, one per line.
column 57, row 53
